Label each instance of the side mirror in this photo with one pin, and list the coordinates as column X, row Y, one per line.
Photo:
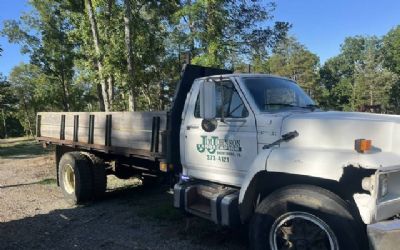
column 207, row 100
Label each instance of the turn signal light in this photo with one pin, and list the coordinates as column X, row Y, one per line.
column 362, row 145
column 165, row 167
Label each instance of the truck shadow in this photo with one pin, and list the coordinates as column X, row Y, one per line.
column 135, row 217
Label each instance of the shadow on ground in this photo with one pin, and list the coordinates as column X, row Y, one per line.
column 134, row 218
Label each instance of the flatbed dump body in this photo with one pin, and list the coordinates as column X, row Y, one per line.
column 139, row 134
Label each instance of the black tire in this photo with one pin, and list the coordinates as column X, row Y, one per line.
column 294, row 203
column 99, row 175
column 82, row 189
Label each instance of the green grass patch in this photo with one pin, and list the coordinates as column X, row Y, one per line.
column 21, row 148
column 48, row 181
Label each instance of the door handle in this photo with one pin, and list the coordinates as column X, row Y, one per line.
column 235, row 120
column 188, row 127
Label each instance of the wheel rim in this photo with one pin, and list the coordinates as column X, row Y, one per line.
column 69, row 179
column 301, row 231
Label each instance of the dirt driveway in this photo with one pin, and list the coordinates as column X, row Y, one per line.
column 33, row 214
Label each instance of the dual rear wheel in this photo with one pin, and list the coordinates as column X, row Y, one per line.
column 82, row 177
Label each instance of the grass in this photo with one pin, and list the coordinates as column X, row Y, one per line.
column 113, row 183
column 48, row 181
column 21, row 148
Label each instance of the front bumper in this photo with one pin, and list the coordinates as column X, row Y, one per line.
column 384, row 235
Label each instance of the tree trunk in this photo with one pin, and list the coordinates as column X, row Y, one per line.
column 96, row 41
column 65, row 93
column 131, row 100
column 101, row 99
column 129, row 54
column 27, row 118
column 192, row 34
column 108, row 30
column 110, row 85
column 4, row 124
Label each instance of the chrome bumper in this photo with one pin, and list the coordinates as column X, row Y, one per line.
column 384, row 235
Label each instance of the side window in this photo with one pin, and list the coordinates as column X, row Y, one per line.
column 229, row 104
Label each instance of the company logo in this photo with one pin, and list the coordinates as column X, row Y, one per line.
column 213, row 144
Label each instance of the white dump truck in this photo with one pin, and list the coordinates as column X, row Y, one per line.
column 246, row 150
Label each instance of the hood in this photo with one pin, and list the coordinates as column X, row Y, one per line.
column 339, row 130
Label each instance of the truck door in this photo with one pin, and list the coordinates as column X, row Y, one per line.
column 222, row 155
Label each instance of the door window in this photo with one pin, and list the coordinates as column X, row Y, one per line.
column 228, row 103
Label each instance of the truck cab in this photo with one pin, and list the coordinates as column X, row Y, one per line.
column 255, row 149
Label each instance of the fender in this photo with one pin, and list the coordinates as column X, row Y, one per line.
column 340, row 171
column 321, row 163
column 258, row 165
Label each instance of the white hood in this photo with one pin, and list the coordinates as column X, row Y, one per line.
column 339, row 130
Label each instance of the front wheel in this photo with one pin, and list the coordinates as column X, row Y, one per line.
column 305, row 217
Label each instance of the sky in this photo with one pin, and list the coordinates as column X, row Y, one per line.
column 321, row 25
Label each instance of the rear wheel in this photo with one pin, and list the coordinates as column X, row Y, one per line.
column 99, row 175
column 75, row 177
column 305, row 217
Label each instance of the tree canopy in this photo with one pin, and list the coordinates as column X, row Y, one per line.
column 108, row 55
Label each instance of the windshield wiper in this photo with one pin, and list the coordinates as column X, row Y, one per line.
column 311, row 106
column 282, row 104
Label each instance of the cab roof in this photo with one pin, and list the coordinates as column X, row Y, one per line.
column 247, row 75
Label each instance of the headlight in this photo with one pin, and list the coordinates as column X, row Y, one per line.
column 367, row 183
column 383, row 185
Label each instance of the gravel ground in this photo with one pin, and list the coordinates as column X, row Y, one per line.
column 34, row 215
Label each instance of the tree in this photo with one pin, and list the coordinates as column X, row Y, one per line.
column 217, row 32
column 129, row 53
column 34, row 91
column 357, row 77
column 372, row 82
column 291, row 59
column 99, row 59
column 43, row 35
column 391, row 54
column 391, row 50
column 7, row 102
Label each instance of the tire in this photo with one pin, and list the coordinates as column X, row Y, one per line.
column 75, row 175
column 99, row 175
column 303, row 215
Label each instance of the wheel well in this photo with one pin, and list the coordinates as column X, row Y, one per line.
column 264, row 183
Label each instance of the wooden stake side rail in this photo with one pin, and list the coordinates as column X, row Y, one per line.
column 128, row 152
column 139, row 134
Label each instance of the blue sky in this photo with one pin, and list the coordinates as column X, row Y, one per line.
column 321, row 25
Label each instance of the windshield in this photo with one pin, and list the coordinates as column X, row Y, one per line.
column 273, row 93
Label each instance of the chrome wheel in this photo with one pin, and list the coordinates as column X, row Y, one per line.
column 69, row 179
column 301, row 231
